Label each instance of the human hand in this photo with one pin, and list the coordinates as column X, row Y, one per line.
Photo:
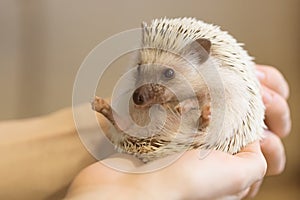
column 277, row 119
column 218, row 175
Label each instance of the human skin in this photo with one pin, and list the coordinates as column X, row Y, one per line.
column 189, row 177
column 41, row 156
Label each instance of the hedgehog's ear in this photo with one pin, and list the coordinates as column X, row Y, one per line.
column 206, row 45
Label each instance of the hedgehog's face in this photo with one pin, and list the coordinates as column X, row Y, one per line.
column 162, row 75
column 154, row 82
column 164, row 85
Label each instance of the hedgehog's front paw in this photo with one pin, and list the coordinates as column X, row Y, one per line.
column 205, row 116
column 98, row 104
column 101, row 106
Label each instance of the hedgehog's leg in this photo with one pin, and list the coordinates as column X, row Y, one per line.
column 101, row 106
column 205, row 116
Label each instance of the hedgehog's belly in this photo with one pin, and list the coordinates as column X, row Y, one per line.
column 171, row 133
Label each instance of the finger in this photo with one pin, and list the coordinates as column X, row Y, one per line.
column 252, row 154
column 273, row 150
column 277, row 113
column 237, row 172
column 248, row 167
column 253, row 164
column 273, row 79
column 253, row 189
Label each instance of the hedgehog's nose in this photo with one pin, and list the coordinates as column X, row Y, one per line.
column 138, row 97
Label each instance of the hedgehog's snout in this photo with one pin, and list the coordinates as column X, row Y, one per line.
column 148, row 94
column 144, row 95
column 139, row 97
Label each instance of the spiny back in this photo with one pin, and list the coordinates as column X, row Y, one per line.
column 175, row 34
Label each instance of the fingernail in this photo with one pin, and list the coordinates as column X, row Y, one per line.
column 267, row 97
column 260, row 74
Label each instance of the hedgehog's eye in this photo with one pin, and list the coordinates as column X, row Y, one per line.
column 169, row 73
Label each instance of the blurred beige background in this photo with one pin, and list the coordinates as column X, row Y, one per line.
column 42, row 44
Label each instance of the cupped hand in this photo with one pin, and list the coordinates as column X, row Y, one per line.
column 277, row 117
column 275, row 91
column 219, row 175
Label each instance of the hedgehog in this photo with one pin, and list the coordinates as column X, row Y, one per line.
column 180, row 63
